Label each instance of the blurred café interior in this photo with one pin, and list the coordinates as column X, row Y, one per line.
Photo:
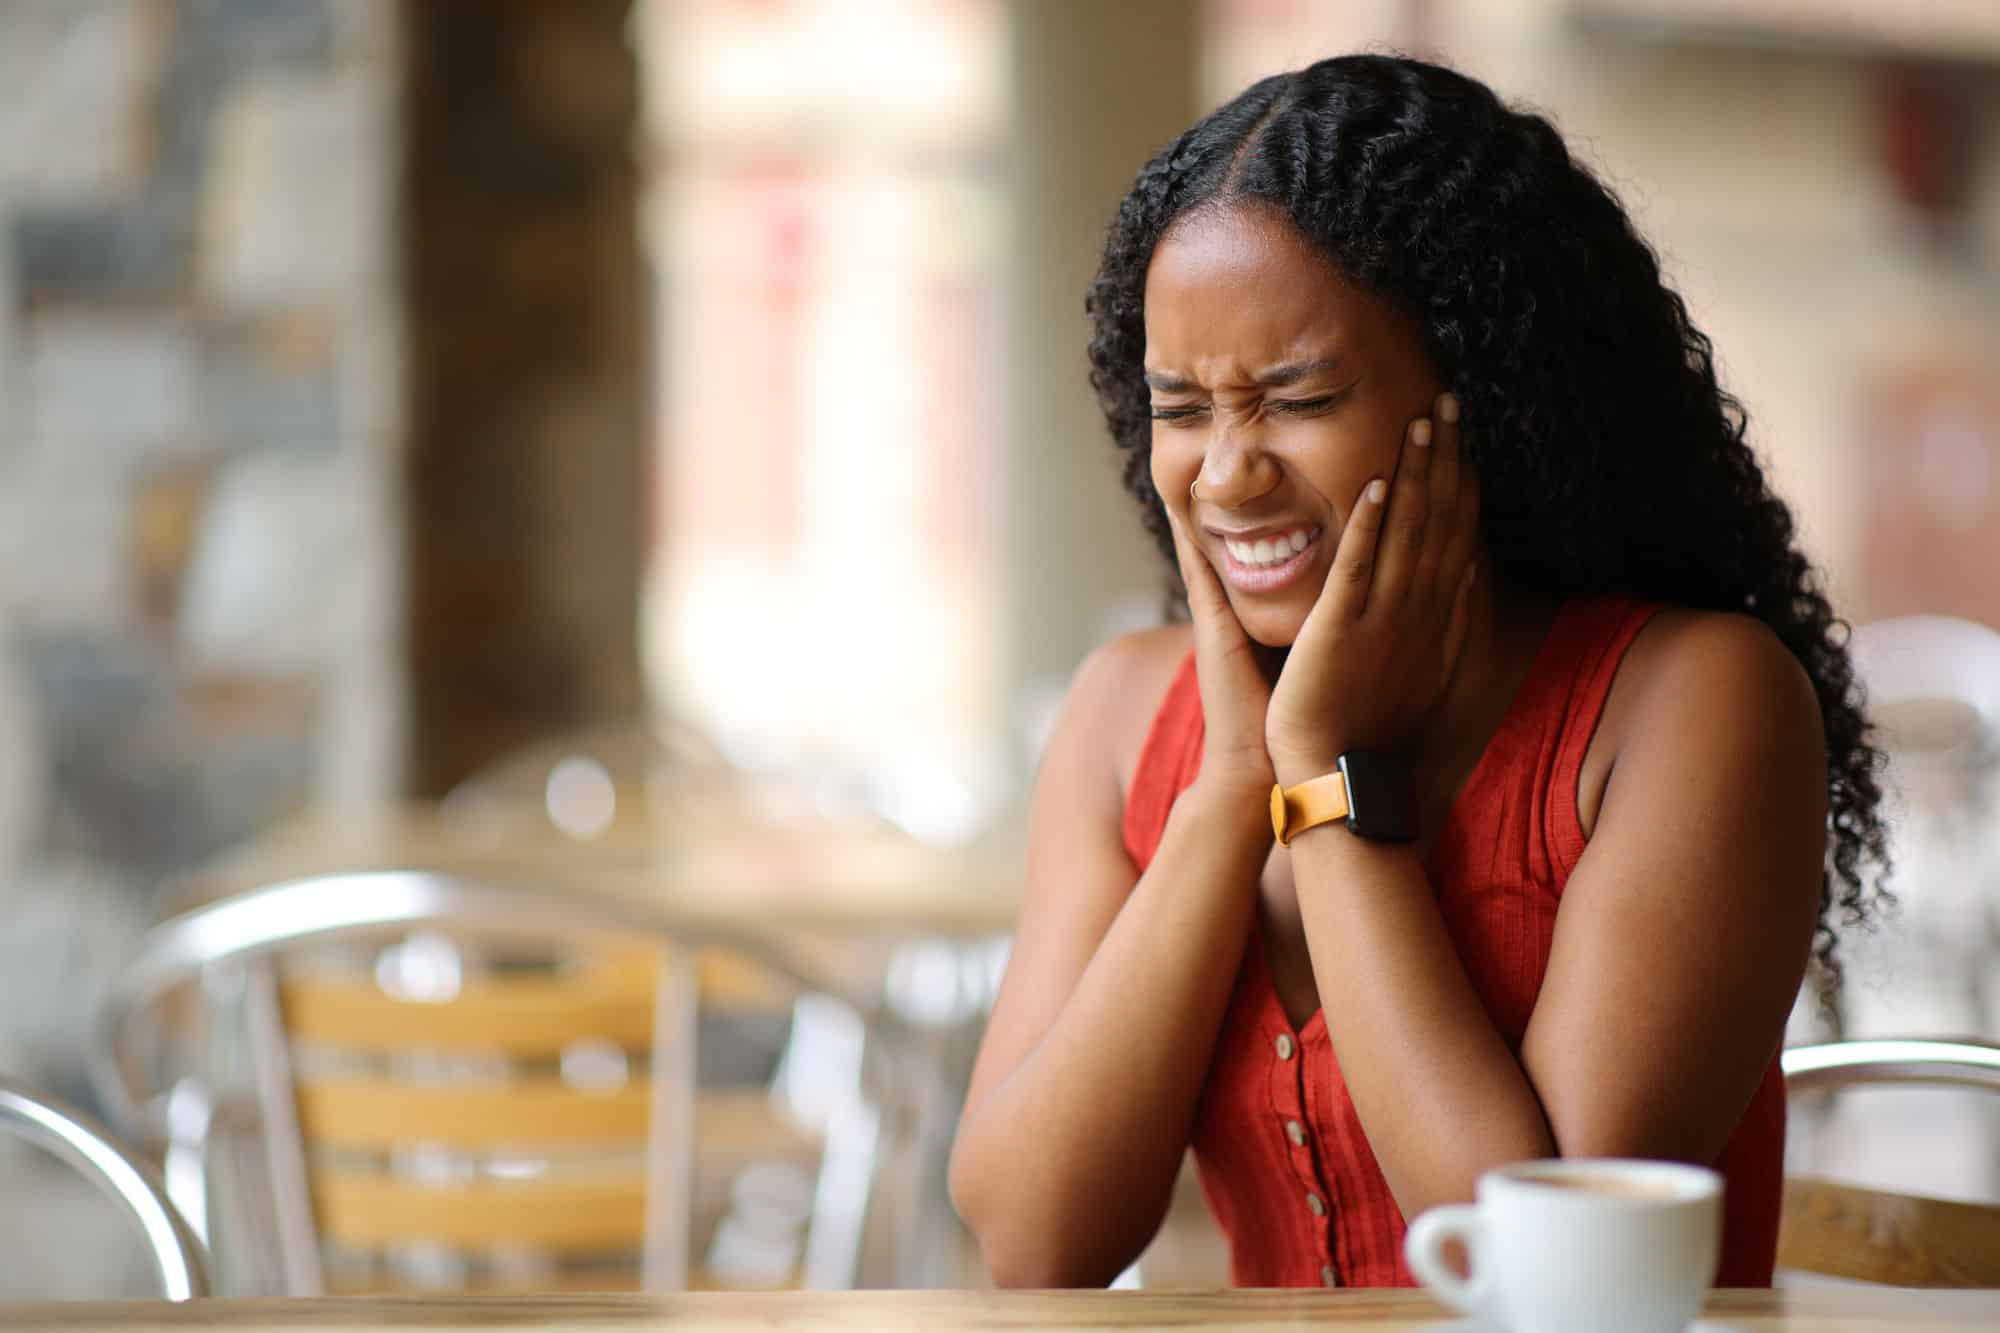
column 542, row 540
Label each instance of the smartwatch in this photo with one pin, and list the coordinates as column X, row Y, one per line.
column 1371, row 790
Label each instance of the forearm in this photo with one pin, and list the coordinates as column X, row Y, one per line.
column 1065, row 1167
column 1438, row 1092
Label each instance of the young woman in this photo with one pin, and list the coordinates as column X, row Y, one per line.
column 1469, row 538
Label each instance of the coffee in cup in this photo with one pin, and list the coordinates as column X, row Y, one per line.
column 1578, row 1245
column 1615, row 1185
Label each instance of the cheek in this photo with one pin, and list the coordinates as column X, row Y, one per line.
column 1173, row 471
column 1366, row 448
column 1338, row 464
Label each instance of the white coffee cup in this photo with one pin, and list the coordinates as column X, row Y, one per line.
column 1578, row 1246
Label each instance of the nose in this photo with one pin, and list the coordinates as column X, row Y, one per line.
column 1235, row 470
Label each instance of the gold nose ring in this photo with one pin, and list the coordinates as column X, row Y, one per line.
column 1192, row 497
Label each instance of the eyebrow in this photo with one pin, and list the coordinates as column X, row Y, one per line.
column 1276, row 377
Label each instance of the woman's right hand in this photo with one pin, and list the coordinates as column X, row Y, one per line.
column 1235, row 762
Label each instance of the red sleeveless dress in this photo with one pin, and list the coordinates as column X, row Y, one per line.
column 1276, row 1134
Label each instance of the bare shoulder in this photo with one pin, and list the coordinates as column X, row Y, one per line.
column 1119, row 687
column 1712, row 682
column 1694, row 663
column 1685, row 927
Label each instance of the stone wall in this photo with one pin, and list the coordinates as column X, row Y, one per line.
column 199, row 443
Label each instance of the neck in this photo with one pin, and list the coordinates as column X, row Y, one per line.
column 1504, row 629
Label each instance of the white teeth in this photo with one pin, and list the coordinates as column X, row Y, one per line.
column 1270, row 551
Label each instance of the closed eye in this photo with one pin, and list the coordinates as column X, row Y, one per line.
column 1304, row 407
column 1173, row 414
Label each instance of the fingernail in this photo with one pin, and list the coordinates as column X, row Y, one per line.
column 1448, row 409
column 1377, row 489
column 1421, row 432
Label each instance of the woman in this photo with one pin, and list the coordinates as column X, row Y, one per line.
column 1459, row 510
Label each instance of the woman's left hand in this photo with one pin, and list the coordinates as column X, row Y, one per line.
column 1380, row 644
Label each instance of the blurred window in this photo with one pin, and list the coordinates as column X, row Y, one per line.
column 825, row 217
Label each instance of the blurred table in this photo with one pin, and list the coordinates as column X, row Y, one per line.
column 1811, row 1310
column 722, row 870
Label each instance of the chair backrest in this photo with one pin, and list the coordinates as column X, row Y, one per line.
column 464, row 1072
column 1935, row 678
column 74, row 1139
column 1903, row 1240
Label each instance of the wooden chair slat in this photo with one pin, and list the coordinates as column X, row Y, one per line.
column 588, row 1281
column 734, row 1125
column 524, row 1017
column 727, row 979
column 377, row 1114
column 585, row 1281
column 568, row 1216
column 1903, row 1240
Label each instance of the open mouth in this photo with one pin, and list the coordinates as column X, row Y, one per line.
column 1271, row 562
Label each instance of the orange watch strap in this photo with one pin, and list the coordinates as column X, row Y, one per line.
column 1311, row 803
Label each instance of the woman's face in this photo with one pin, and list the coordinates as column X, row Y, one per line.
column 1285, row 390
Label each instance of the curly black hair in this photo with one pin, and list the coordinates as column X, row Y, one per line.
column 1610, row 459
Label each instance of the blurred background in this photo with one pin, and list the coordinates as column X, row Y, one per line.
column 389, row 391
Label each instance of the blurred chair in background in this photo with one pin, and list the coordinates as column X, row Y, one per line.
column 176, row 1250
column 1933, row 686
column 1928, row 968
column 449, row 1084
column 1905, row 1240
column 649, row 787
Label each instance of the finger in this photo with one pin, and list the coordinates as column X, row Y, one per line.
column 1442, row 519
column 1218, row 634
column 1347, row 584
column 1401, row 548
column 1225, row 667
column 1204, row 589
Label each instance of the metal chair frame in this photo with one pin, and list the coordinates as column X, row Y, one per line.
column 1901, row 1062
column 1843, row 1064
column 73, row 1138
column 252, row 928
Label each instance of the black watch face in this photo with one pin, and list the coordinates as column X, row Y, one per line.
column 1380, row 802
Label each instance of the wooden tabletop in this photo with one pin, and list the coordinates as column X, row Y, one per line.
column 1812, row 1310
column 718, row 868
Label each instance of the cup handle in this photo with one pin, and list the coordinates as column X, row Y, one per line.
column 1423, row 1250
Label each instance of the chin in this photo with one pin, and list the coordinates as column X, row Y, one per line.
column 1272, row 631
